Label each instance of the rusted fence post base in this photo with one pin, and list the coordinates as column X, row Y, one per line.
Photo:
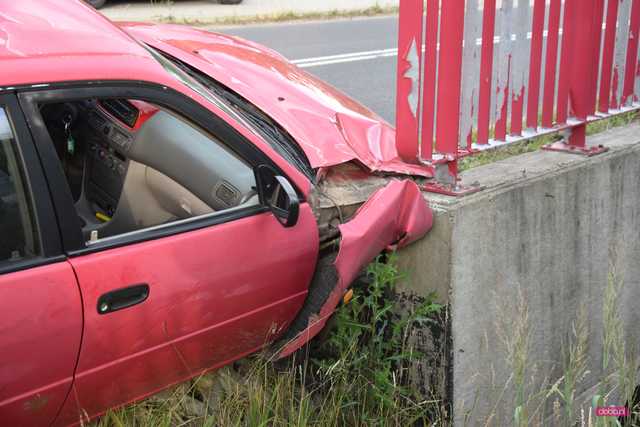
column 575, row 143
column 447, row 182
column 562, row 146
column 456, row 190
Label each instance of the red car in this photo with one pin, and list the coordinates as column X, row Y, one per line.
column 159, row 206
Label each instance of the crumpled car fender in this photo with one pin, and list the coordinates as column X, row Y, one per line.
column 330, row 127
column 397, row 214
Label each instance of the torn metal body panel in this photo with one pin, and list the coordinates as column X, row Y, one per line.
column 339, row 193
column 395, row 215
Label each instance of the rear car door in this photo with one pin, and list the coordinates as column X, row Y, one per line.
column 165, row 303
column 40, row 305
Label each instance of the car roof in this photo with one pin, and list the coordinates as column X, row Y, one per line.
column 45, row 41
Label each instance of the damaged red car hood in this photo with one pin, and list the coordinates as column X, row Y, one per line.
column 330, row 127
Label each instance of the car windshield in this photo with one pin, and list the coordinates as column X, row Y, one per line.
column 238, row 107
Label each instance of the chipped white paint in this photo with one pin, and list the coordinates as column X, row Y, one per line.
column 620, row 58
column 413, row 74
column 471, row 70
column 521, row 57
column 502, row 63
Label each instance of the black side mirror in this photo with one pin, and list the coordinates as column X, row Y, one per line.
column 277, row 192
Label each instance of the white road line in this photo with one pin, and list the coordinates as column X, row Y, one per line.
column 345, row 57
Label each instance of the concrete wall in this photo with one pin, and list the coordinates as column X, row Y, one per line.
column 524, row 255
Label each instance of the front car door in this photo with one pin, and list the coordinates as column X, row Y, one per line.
column 194, row 293
column 40, row 305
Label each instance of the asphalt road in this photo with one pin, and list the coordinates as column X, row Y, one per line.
column 357, row 56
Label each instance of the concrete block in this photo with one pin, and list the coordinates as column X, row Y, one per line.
column 523, row 256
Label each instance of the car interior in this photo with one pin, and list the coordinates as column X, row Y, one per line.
column 131, row 165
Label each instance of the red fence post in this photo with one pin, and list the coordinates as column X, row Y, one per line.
column 582, row 31
column 429, row 79
column 567, row 58
column 449, row 83
column 535, row 63
column 408, row 79
column 598, row 16
column 551, row 64
column 581, row 44
column 632, row 55
column 607, row 56
column 486, row 68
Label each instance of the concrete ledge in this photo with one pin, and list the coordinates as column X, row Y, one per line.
column 545, row 230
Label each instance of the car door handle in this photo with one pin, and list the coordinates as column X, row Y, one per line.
column 123, row 298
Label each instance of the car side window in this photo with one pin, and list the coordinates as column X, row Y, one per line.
column 132, row 165
column 18, row 231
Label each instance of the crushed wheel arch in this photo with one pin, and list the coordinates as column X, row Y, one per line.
column 393, row 216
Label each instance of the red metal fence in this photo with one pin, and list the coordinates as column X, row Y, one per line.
column 493, row 72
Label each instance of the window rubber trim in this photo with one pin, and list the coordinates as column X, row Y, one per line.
column 160, row 231
column 45, row 222
column 27, row 264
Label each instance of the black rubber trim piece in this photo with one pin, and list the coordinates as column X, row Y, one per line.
column 325, row 279
column 13, row 267
column 170, row 230
column 68, row 221
column 45, row 219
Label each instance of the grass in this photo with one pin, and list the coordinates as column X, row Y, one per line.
column 623, row 119
column 500, row 153
column 559, row 403
column 574, row 365
column 280, row 17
